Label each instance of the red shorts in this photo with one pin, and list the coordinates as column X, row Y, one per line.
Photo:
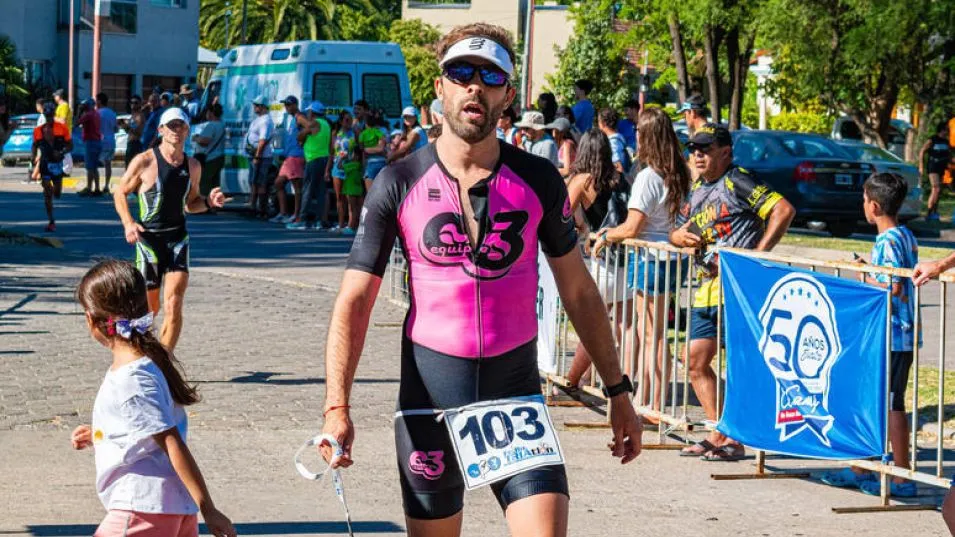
column 119, row 523
column 293, row 168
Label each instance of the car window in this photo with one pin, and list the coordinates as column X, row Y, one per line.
column 877, row 154
column 812, row 148
column 749, row 149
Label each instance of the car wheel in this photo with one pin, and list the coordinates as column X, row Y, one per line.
column 8, row 163
column 841, row 229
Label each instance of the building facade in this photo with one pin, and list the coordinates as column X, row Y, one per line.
column 145, row 44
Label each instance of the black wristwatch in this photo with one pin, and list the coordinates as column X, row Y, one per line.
column 623, row 386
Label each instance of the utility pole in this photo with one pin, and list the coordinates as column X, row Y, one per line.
column 97, row 43
column 72, row 25
column 528, row 54
column 245, row 11
column 228, row 19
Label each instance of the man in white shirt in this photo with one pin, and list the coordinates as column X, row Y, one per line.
column 540, row 143
column 107, row 127
column 258, row 146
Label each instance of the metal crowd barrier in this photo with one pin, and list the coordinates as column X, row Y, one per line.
column 398, row 278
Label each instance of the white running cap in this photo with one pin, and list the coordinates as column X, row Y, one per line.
column 171, row 114
column 480, row 47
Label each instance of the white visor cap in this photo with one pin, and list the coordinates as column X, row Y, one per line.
column 171, row 114
column 480, row 47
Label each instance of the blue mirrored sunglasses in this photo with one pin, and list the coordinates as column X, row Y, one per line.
column 463, row 73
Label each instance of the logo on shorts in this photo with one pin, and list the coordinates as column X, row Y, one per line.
column 800, row 344
column 444, row 242
column 429, row 465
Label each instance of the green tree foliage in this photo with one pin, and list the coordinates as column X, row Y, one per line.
column 358, row 25
column 11, row 72
column 417, row 40
column 592, row 53
column 271, row 21
column 856, row 56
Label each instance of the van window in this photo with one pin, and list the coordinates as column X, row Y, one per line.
column 280, row 54
column 332, row 89
column 208, row 96
column 382, row 91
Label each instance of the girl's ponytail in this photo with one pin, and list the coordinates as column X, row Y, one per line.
column 182, row 392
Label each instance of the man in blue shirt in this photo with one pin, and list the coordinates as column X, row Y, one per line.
column 607, row 121
column 627, row 127
column 190, row 103
column 583, row 108
column 151, row 130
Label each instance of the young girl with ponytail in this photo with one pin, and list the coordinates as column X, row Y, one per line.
column 145, row 475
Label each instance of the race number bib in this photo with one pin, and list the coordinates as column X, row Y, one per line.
column 494, row 440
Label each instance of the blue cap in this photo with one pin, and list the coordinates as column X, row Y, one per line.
column 166, row 95
column 260, row 100
column 316, row 107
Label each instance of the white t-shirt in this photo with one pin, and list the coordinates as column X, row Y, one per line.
column 262, row 128
column 215, row 131
column 649, row 196
column 132, row 472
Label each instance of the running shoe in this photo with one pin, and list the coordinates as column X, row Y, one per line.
column 84, row 193
column 50, row 228
column 906, row 489
column 931, row 217
column 288, row 219
column 296, row 225
column 334, row 229
column 278, row 219
column 348, row 231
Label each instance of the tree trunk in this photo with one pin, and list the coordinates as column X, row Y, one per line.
column 679, row 56
column 738, row 60
column 712, row 36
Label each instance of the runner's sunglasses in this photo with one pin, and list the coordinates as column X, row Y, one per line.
column 463, row 72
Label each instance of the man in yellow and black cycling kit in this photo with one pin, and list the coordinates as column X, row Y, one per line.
column 726, row 207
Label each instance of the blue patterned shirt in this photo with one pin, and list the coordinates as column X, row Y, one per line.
column 898, row 248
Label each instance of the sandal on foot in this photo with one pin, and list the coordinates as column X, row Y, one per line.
column 846, row 478
column 697, row 449
column 907, row 489
column 727, row 453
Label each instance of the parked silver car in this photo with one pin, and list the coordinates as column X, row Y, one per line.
column 846, row 129
column 884, row 161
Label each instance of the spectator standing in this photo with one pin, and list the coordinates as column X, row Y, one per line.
column 627, row 126
column 258, row 146
column 151, row 129
column 346, row 175
column 607, row 121
column 373, row 142
column 566, row 146
column 694, row 112
column 414, row 135
column 506, row 130
column 362, row 110
column 939, row 155
column 107, row 124
column 93, row 142
column 293, row 167
column 316, row 139
column 895, row 247
column 190, row 102
column 751, row 216
column 538, row 141
column 63, row 113
column 657, row 193
column 547, row 105
column 567, row 112
column 210, row 140
column 583, row 108
column 134, row 128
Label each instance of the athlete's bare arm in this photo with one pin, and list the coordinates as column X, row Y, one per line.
column 195, row 203
column 346, row 338
column 587, row 312
column 129, row 184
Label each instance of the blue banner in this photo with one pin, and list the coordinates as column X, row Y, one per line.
column 805, row 361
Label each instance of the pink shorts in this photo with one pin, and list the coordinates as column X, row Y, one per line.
column 293, row 168
column 130, row 523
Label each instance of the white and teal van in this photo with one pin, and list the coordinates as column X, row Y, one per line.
column 337, row 73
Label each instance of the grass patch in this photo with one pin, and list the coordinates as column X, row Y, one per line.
column 928, row 396
column 859, row 246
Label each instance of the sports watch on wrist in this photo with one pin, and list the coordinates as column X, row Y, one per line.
column 623, row 386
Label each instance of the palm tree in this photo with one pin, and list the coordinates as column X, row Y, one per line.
column 11, row 71
column 270, row 21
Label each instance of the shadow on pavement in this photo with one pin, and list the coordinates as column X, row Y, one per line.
column 248, row 528
column 266, row 377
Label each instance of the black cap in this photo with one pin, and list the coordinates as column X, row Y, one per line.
column 708, row 134
column 59, row 93
column 693, row 102
column 291, row 99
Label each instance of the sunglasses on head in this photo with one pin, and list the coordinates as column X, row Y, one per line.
column 463, row 72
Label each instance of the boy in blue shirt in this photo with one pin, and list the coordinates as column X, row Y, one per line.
column 896, row 247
